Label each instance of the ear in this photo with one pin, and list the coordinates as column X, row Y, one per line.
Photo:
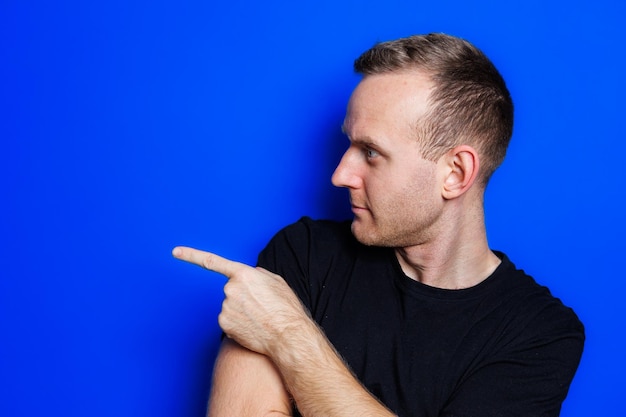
column 460, row 169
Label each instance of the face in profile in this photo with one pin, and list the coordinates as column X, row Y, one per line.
column 393, row 190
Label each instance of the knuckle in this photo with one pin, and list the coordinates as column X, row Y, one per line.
column 222, row 320
column 208, row 262
column 229, row 291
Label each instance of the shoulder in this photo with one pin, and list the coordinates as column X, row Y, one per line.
column 539, row 315
column 307, row 242
column 308, row 252
column 327, row 230
column 307, row 234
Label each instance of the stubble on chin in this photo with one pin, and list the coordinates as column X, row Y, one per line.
column 386, row 236
column 366, row 234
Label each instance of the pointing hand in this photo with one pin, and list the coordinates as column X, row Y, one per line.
column 259, row 307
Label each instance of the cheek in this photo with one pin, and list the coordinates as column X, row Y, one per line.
column 380, row 190
column 418, row 194
column 425, row 180
column 408, row 188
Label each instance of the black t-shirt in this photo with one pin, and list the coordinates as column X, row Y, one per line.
column 505, row 347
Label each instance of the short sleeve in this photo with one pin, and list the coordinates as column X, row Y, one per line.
column 526, row 379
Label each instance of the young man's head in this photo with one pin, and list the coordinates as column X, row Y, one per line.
column 429, row 121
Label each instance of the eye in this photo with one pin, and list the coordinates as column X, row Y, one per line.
column 371, row 153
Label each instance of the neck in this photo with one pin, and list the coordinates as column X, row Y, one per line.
column 458, row 256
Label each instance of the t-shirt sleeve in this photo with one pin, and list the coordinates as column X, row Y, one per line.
column 287, row 254
column 310, row 255
column 527, row 379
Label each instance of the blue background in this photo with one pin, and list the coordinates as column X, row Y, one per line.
column 129, row 127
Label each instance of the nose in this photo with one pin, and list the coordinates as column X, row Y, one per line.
column 345, row 174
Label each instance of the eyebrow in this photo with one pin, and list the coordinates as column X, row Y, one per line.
column 363, row 141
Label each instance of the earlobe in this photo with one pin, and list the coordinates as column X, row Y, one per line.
column 461, row 169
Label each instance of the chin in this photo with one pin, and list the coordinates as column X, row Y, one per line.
column 365, row 236
column 374, row 236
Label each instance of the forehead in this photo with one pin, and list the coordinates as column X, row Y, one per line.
column 386, row 104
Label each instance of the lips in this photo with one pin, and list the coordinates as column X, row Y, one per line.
column 357, row 207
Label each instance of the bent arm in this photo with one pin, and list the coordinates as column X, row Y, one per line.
column 262, row 313
column 246, row 384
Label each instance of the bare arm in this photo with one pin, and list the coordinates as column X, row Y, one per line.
column 246, row 384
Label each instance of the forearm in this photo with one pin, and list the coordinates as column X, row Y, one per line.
column 319, row 381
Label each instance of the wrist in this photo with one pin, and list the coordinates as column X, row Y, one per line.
column 299, row 342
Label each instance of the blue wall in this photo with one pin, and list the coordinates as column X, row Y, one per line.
column 129, row 127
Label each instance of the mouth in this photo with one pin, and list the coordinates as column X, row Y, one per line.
column 357, row 208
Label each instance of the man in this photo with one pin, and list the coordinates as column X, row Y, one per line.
column 404, row 311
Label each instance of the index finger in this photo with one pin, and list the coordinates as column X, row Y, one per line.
column 207, row 260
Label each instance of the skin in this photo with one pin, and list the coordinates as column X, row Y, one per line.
column 430, row 211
